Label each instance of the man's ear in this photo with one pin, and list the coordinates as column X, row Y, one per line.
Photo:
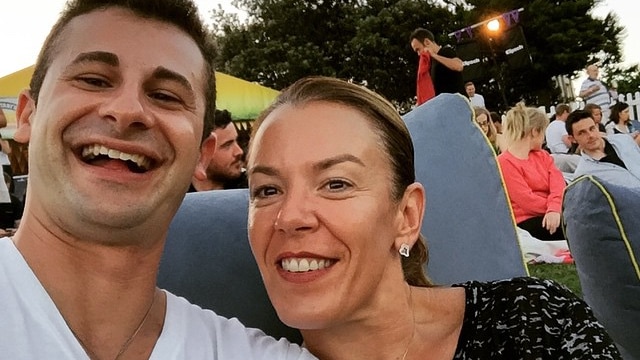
column 207, row 149
column 572, row 139
column 410, row 215
column 24, row 111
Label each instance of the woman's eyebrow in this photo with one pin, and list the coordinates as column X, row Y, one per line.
column 327, row 163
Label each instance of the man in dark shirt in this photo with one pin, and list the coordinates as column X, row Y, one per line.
column 446, row 66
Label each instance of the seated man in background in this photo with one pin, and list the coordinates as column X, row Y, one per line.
column 559, row 143
column 612, row 157
column 10, row 213
column 222, row 158
column 556, row 135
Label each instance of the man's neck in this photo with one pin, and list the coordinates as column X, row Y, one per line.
column 598, row 153
column 89, row 283
column 206, row 185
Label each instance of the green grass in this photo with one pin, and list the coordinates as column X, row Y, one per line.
column 564, row 274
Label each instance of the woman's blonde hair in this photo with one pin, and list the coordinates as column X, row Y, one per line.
column 521, row 120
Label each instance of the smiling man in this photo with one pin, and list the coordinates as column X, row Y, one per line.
column 615, row 157
column 114, row 118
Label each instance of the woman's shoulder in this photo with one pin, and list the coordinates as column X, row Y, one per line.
column 541, row 315
column 512, row 300
column 540, row 153
column 512, row 289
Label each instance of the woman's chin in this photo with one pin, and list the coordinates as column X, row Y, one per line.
column 304, row 319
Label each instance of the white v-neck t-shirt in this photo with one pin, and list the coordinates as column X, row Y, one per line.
column 31, row 327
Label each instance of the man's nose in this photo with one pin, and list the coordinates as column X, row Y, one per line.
column 126, row 107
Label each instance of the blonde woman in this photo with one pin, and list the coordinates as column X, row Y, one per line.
column 534, row 183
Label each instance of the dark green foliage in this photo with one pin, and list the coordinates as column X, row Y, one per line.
column 628, row 78
column 368, row 42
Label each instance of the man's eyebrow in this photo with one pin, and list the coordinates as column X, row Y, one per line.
column 97, row 56
column 327, row 163
column 228, row 142
column 163, row 73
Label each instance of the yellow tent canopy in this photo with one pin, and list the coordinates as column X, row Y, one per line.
column 244, row 99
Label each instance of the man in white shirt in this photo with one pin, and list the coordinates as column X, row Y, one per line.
column 114, row 118
column 556, row 135
column 475, row 98
column 594, row 91
column 558, row 142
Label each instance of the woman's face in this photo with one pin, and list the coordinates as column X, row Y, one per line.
column 624, row 116
column 597, row 115
column 537, row 138
column 322, row 224
column 483, row 121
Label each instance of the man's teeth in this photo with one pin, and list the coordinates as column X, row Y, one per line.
column 303, row 264
column 91, row 151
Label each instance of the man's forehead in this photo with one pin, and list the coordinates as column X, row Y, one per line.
column 585, row 122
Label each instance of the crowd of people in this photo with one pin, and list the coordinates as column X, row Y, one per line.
column 539, row 156
column 120, row 119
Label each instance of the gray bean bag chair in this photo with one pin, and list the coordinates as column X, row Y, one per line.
column 469, row 226
column 602, row 223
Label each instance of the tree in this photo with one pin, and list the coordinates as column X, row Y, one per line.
column 627, row 78
column 367, row 42
column 562, row 38
column 284, row 40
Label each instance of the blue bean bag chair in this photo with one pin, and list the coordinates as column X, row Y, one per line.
column 602, row 223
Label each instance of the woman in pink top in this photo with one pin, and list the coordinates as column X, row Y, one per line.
column 534, row 183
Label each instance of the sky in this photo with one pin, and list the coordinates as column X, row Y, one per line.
column 24, row 24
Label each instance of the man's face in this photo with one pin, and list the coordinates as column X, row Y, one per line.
column 587, row 135
column 226, row 163
column 471, row 90
column 419, row 46
column 115, row 136
column 592, row 71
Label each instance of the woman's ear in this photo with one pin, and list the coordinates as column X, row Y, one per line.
column 410, row 215
column 24, row 111
column 207, row 150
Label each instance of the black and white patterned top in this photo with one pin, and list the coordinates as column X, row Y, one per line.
column 528, row 318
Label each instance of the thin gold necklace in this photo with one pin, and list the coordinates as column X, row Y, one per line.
column 413, row 332
column 127, row 342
